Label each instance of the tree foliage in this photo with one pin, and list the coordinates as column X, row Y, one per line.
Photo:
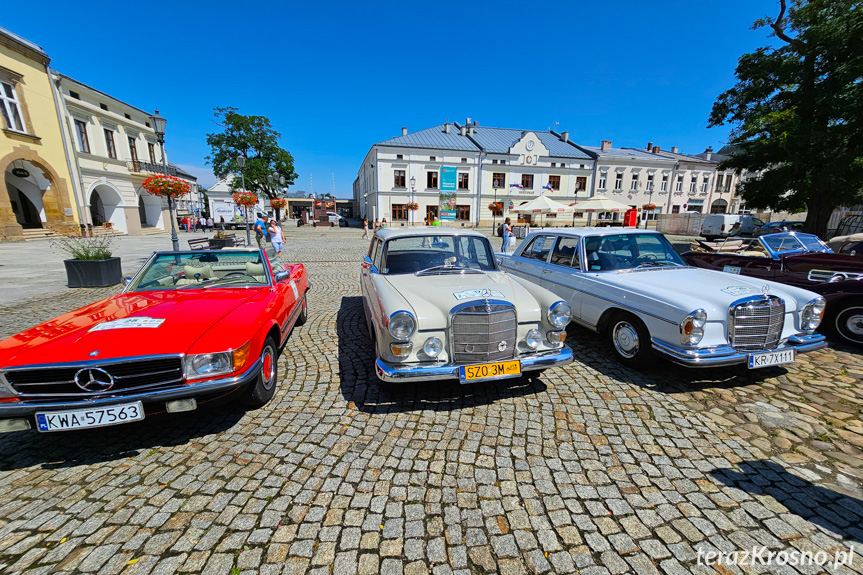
column 254, row 138
column 796, row 112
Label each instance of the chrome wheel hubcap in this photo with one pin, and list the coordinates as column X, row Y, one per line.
column 626, row 339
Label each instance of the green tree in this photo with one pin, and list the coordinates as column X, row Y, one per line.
column 796, row 112
column 254, row 138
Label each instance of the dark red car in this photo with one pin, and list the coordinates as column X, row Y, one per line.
column 800, row 260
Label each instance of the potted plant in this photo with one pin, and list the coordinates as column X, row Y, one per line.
column 90, row 263
column 222, row 240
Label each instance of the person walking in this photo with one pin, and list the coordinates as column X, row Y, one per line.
column 507, row 232
column 366, row 228
column 377, row 224
column 261, row 230
column 210, row 224
column 383, row 223
column 277, row 238
column 222, row 222
column 203, row 222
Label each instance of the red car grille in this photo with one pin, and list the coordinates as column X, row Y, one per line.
column 127, row 376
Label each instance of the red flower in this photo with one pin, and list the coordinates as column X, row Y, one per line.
column 278, row 203
column 166, row 186
column 245, row 198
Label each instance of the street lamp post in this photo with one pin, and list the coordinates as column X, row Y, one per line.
column 158, row 123
column 649, row 203
column 413, row 195
column 241, row 161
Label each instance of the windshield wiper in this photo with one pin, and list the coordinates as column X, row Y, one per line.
column 645, row 265
column 439, row 269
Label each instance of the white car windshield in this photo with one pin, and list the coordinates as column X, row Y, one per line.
column 431, row 254
column 629, row 251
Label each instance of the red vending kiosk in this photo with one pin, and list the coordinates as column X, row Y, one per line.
column 630, row 218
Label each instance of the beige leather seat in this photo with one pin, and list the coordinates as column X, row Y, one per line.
column 256, row 270
column 196, row 274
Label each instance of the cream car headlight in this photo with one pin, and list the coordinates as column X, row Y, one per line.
column 559, row 314
column 402, row 325
column 692, row 327
column 433, row 347
column 812, row 313
column 533, row 339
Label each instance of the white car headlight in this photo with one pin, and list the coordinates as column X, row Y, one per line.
column 692, row 327
column 402, row 325
column 559, row 314
column 533, row 339
column 433, row 347
column 208, row 365
column 812, row 313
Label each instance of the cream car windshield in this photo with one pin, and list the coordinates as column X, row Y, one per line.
column 629, row 252
column 202, row 270
column 432, row 255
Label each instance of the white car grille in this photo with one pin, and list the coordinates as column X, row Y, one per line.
column 484, row 332
column 755, row 324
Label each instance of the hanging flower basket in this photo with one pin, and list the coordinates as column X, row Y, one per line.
column 495, row 206
column 166, row 186
column 246, row 199
column 648, row 207
column 278, row 203
column 413, row 206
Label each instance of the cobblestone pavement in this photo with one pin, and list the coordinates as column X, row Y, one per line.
column 591, row 468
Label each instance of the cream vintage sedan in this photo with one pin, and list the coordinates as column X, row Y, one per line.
column 438, row 307
column 631, row 286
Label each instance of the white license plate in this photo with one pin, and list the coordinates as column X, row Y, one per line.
column 96, row 417
column 770, row 358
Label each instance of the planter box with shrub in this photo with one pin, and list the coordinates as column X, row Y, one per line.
column 93, row 273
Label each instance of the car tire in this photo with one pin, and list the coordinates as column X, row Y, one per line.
column 262, row 389
column 629, row 339
column 304, row 316
column 846, row 321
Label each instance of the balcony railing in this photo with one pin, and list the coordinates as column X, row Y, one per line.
column 139, row 166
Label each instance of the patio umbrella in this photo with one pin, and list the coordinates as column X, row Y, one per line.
column 542, row 205
column 599, row 204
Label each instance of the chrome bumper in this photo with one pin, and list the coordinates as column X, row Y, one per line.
column 195, row 389
column 727, row 355
column 394, row 372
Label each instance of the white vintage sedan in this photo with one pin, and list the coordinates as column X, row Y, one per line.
column 631, row 286
column 438, row 307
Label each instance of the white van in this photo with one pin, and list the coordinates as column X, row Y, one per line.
column 715, row 226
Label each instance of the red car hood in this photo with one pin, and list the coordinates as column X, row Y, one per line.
column 186, row 314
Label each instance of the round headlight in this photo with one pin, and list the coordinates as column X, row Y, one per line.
column 402, row 325
column 692, row 327
column 812, row 313
column 699, row 318
column 533, row 339
column 433, row 347
column 559, row 314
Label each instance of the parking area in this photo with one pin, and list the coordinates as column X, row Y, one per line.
column 590, row 468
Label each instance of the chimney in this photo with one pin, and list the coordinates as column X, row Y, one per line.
column 708, row 153
column 649, row 146
column 462, row 130
column 404, row 131
column 446, row 128
column 674, row 149
column 476, row 124
column 655, row 149
column 470, row 129
column 605, row 145
column 467, row 122
column 564, row 136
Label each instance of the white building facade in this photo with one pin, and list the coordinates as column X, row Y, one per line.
column 221, row 202
column 114, row 151
column 457, row 173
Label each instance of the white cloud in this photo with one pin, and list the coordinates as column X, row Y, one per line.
column 205, row 175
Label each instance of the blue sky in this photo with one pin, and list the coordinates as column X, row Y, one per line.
column 335, row 78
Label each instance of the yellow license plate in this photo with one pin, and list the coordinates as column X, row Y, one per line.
column 490, row 370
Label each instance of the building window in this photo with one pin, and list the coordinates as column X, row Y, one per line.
column 633, row 185
column 147, row 124
column 705, row 183
column 664, row 185
column 494, row 161
column 527, row 181
column 10, row 107
column 675, row 209
column 649, row 182
column 462, row 212
column 555, row 182
column 693, row 185
column 104, row 106
column 398, row 178
column 151, row 148
column 618, row 182
column 75, row 95
column 432, row 159
column 127, row 116
column 464, row 160
column 719, row 179
column 603, row 180
column 109, row 143
column 83, row 140
column 581, row 183
column 399, row 157
column 400, row 212
column 133, row 150
column 462, row 181
column 498, row 180
column 503, row 161
column 431, row 180
column 679, row 186
column 553, row 165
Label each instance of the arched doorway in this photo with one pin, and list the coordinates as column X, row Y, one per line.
column 719, row 206
column 150, row 210
column 26, row 184
column 106, row 207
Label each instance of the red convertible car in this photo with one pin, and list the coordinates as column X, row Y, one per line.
column 189, row 327
column 800, row 260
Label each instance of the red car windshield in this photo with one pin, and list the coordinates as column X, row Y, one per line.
column 202, row 270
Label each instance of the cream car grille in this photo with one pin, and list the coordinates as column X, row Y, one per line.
column 756, row 324
column 484, row 333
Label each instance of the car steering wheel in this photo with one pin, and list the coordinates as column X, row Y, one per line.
column 229, row 274
column 646, row 258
